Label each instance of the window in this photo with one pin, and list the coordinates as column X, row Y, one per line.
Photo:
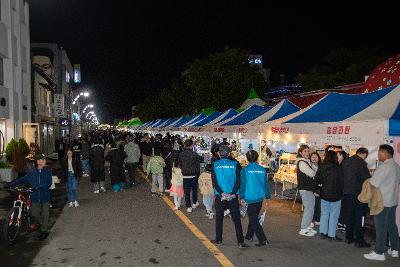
column 1, row 72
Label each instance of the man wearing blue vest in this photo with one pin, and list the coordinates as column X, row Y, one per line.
column 226, row 182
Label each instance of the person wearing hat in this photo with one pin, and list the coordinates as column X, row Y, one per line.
column 40, row 179
column 225, row 177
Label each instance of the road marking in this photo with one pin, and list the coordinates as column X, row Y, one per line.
column 196, row 231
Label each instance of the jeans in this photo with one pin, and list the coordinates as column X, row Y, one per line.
column 131, row 168
column 317, row 210
column 177, row 201
column 72, row 185
column 355, row 213
column 168, row 177
column 386, row 222
column 329, row 217
column 190, row 185
column 85, row 166
column 253, row 210
column 40, row 214
column 208, row 202
column 157, row 179
column 308, row 200
column 233, row 206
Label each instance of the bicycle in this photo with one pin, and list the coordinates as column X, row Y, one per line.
column 18, row 220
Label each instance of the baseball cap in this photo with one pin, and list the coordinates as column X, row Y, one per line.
column 224, row 151
column 40, row 156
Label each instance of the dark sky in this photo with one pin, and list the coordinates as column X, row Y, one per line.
column 128, row 49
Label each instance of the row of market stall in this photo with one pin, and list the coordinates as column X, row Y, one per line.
column 346, row 120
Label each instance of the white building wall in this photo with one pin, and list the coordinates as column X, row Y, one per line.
column 15, row 52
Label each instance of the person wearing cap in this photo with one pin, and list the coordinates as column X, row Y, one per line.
column 40, row 179
column 225, row 177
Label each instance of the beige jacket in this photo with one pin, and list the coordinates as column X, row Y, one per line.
column 205, row 184
column 372, row 196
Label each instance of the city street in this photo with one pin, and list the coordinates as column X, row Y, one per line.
column 132, row 228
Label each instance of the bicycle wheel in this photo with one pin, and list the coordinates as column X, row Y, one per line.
column 11, row 225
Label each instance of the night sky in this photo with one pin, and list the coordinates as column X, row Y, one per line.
column 128, row 49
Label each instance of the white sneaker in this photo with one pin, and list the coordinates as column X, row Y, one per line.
column 227, row 212
column 189, row 210
column 393, row 253
column 211, row 216
column 96, row 191
column 70, row 205
column 195, row 205
column 76, row 204
column 374, row 256
column 311, row 225
column 103, row 189
column 306, row 232
column 312, row 230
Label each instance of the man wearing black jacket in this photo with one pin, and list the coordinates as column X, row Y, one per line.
column 189, row 162
column 355, row 173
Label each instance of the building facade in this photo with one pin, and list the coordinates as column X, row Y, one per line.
column 51, row 88
column 15, row 70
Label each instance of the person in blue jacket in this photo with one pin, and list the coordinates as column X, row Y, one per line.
column 253, row 189
column 40, row 179
column 225, row 177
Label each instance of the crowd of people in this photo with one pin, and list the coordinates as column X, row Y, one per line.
column 335, row 191
column 343, row 187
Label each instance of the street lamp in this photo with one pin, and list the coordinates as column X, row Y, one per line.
column 87, row 107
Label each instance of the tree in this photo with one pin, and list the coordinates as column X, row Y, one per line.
column 339, row 67
column 221, row 81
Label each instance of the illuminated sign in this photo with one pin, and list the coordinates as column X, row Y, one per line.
column 67, row 77
column 280, row 129
column 63, row 122
column 338, row 130
column 77, row 73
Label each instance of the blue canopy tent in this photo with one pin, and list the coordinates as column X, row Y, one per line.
column 196, row 119
column 248, row 115
column 225, row 116
column 209, row 119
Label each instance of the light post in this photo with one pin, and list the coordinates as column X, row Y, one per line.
column 75, row 101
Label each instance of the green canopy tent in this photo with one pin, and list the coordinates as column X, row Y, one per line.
column 252, row 99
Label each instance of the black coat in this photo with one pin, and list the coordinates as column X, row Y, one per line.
column 116, row 158
column 355, row 173
column 189, row 162
column 146, row 148
column 85, row 151
column 76, row 165
column 96, row 161
column 329, row 178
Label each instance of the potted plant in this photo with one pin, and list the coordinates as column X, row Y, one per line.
column 7, row 174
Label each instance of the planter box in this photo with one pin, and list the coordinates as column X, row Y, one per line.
column 7, row 175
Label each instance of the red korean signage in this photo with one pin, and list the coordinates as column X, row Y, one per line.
column 242, row 130
column 219, row 130
column 338, row 130
column 279, row 130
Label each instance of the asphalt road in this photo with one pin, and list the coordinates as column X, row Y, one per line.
column 132, row 228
